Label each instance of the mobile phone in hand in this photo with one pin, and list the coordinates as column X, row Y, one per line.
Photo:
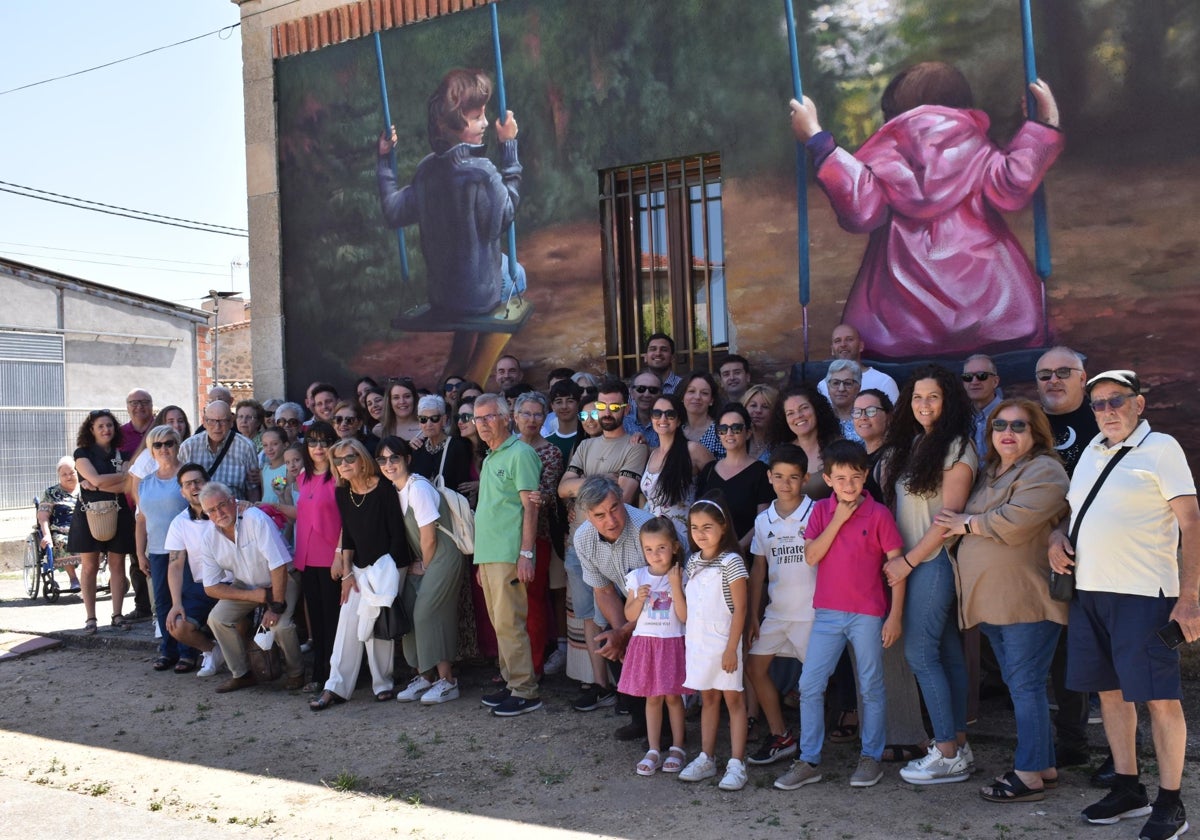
column 1171, row 635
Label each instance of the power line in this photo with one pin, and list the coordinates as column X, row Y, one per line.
column 114, row 210
column 107, row 254
column 119, row 265
column 230, row 28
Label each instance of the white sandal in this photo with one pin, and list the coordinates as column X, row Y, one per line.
column 676, row 756
column 649, row 765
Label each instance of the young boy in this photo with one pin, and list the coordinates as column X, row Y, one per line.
column 849, row 538
column 778, row 549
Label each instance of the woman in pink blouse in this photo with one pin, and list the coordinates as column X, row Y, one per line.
column 318, row 527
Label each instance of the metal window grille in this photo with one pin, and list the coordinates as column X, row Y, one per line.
column 664, row 260
column 32, row 439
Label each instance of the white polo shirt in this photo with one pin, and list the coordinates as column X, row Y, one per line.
column 187, row 534
column 791, row 582
column 1129, row 539
column 259, row 549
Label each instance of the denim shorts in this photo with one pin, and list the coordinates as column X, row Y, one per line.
column 1132, row 659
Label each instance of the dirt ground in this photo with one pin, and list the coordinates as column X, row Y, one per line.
column 94, row 721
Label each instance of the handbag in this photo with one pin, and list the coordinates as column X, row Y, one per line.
column 102, row 519
column 266, row 665
column 393, row 623
column 1062, row 586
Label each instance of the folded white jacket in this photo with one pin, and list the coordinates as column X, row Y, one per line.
column 378, row 585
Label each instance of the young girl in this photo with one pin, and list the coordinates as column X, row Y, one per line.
column 714, row 608
column 654, row 659
column 274, row 442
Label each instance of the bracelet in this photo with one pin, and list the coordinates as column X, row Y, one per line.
column 904, row 557
column 967, row 525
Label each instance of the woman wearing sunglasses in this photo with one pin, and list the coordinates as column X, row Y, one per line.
column 1005, row 528
column 439, row 453
column 669, row 482
column 372, row 531
column 316, row 534
column 349, row 421
column 742, row 478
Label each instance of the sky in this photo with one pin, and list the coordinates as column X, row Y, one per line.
column 162, row 133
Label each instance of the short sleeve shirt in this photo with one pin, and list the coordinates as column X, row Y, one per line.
column 233, row 468
column 914, row 514
column 790, row 580
column 606, row 562
column 508, row 470
column 658, row 618
column 187, row 534
column 733, row 567
column 850, row 576
column 601, row 455
column 258, row 549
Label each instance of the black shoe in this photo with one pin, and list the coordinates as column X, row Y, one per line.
column 138, row 615
column 1119, row 804
column 593, row 697
column 630, row 732
column 495, row 698
column 1167, row 821
column 1106, row 775
column 1072, row 757
column 514, row 706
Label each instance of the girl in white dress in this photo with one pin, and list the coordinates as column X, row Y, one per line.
column 714, row 608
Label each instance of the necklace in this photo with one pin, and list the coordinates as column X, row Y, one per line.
column 358, row 502
column 433, row 450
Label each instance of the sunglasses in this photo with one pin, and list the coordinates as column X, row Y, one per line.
column 349, row 458
column 465, row 417
column 842, row 383
column 730, row 428
column 290, row 422
column 321, row 442
column 647, row 389
column 983, row 376
column 869, row 411
column 613, row 407
column 590, row 415
column 664, row 413
column 165, row 444
column 1113, row 403
column 345, row 421
column 1018, row 426
column 1044, row 374
column 384, row 460
column 435, row 418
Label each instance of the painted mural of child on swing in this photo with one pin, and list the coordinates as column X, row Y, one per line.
column 463, row 204
column 942, row 273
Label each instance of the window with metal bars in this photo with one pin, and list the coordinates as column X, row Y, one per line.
column 664, row 261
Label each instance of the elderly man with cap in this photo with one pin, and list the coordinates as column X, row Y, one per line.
column 1132, row 500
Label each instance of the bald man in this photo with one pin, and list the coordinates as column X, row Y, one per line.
column 846, row 343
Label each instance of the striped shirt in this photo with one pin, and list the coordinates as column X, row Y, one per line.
column 234, row 467
column 606, row 563
column 732, row 568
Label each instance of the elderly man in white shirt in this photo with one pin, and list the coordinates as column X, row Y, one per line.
column 248, row 546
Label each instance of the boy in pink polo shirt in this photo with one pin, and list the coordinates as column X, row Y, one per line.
column 849, row 537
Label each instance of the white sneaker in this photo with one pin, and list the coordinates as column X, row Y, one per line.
column 440, row 692
column 157, row 631
column 935, row 769
column 556, row 662
column 968, row 756
column 735, row 775
column 701, row 768
column 211, row 662
column 306, row 647
column 416, row 688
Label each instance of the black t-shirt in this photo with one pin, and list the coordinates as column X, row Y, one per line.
column 104, row 462
column 1072, row 432
column 373, row 525
column 743, row 493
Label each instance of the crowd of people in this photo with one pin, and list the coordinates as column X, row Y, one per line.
column 683, row 539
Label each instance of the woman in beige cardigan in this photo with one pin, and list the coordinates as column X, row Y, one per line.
column 1002, row 576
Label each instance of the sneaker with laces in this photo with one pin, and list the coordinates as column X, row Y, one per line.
column 594, row 697
column 801, row 773
column 514, row 706
column 968, row 756
column 495, row 698
column 735, row 775
column 935, row 769
column 701, row 767
column 211, row 662
column 867, row 773
column 440, row 692
column 1167, row 821
column 556, row 662
column 416, row 687
column 774, row 748
column 1119, row 804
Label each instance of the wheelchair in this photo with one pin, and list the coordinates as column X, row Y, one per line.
column 41, row 566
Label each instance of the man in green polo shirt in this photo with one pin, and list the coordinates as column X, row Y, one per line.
column 505, row 527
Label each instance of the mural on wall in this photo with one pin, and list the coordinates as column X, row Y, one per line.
column 599, row 87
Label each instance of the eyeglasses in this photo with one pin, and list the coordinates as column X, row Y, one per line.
column 208, row 421
column 592, row 415
column 842, row 383
column 1018, row 426
column 483, row 418
column 985, row 375
column 221, row 505
column 531, row 415
column 384, row 460
column 165, row 444
column 730, row 428
column 1113, row 403
column 138, row 403
column 647, row 389
column 345, row 421
column 290, row 422
column 869, row 411
column 465, row 417
column 319, row 442
column 1044, row 374
column 348, row 458
column 664, row 414
column 435, row 418
column 613, row 407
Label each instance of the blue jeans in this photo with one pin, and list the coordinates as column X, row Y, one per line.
column 167, row 645
column 1024, row 652
column 830, row 632
column 583, row 599
column 933, row 646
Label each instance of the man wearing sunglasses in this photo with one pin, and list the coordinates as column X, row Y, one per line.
column 982, row 384
column 1060, row 376
column 645, row 388
column 1136, row 561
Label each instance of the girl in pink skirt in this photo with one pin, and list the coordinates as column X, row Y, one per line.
column 654, row 659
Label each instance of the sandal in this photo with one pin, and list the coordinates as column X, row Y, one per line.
column 1009, row 788
column 676, row 756
column 327, row 699
column 384, row 696
column 844, row 732
column 185, row 666
column 902, row 752
column 89, row 627
column 120, row 622
column 649, row 765
column 163, row 663
column 1049, row 784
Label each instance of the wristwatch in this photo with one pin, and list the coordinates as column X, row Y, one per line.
column 277, row 607
column 526, row 553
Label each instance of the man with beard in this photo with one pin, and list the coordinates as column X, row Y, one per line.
column 660, row 358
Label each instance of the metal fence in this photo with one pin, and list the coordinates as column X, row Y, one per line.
column 32, row 440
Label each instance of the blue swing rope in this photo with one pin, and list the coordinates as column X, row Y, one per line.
column 503, row 102
column 1041, row 229
column 801, row 177
column 387, row 122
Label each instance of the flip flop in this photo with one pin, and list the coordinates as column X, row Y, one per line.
column 163, row 663
column 185, row 666
column 384, row 696
column 327, row 699
column 649, row 765
column 1009, row 788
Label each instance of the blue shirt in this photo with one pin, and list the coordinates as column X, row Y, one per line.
column 159, row 501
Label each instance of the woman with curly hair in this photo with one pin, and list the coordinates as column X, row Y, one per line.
column 929, row 465
column 669, row 482
column 802, row 416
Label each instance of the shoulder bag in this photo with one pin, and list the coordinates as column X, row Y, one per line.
column 1062, row 587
